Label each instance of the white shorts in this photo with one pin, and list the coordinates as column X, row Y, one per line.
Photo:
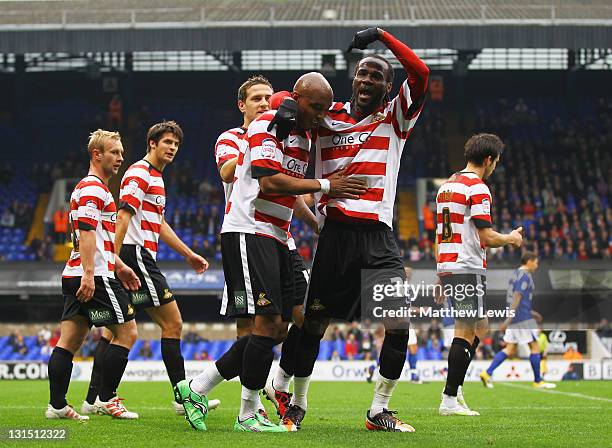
column 522, row 333
column 412, row 337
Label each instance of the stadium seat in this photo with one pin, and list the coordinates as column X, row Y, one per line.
column 134, row 352
column 325, row 350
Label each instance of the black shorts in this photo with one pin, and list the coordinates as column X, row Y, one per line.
column 301, row 276
column 467, row 295
column 348, row 253
column 110, row 304
column 154, row 290
column 258, row 276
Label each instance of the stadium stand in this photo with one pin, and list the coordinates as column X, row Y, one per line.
column 194, row 11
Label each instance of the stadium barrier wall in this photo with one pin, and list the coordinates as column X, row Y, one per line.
column 334, row 370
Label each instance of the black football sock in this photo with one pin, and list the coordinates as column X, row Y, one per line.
column 256, row 362
column 173, row 359
column 287, row 360
column 473, row 348
column 230, row 364
column 393, row 355
column 60, row 369
column 306, row 353
column 458, row 362
column 96, row 371
column 113, row 366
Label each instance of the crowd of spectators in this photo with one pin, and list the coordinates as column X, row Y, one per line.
column 46, row 340
column 554, row 182
column 17, row 215
column 355, row 341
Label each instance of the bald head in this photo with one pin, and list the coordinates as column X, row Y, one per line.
column 314, row 96
column 313, row 82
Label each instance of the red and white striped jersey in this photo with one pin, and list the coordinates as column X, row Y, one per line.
column 371, row 150
column 92, row 207
column 464, row 206
column 248, row 209
column 229, row 145
column 142, row 192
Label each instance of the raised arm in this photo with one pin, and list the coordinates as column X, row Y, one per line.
column 417, row 71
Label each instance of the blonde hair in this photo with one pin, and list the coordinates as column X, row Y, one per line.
column 98, row 138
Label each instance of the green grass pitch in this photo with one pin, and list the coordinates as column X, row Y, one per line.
column 575, row 414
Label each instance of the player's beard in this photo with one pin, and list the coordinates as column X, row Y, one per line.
column 364, row 109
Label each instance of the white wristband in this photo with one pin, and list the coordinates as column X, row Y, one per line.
column 325, row 185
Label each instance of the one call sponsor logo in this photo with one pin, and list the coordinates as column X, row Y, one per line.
column 350, row 139
column 295, row 166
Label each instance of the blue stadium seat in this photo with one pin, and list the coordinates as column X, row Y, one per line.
column 434, row 355
column 188, row 350
column 156, row 349
column 6, row 352
column 339, row 346
column 421, row 353
column 33, row 354
column 218, row 348
column 325, row 351
column 135, row 350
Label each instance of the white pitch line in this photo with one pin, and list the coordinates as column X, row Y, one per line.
column 558, row 392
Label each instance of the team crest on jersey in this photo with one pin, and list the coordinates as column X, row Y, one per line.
column 167, row 294
column 316, row 305
column 378, row 116
column 268, row 148
column 262, row 300
column 130, row 310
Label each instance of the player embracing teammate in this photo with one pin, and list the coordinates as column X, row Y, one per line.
column 257, row 264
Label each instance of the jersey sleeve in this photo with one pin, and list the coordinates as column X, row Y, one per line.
column 266, row 150
column 480, row 205
column 90, row 205
column 407, row 105
column 134, row 186
column 227, row 148
column 405, row 112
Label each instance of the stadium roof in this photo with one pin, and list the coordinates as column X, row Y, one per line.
column 131, row 25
